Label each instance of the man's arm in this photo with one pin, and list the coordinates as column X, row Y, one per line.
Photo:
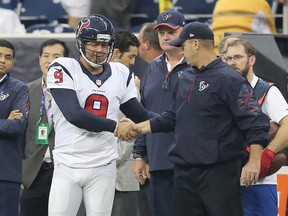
column 14, row 125
column 251, row 120
column 68, row 103
column 140, row 148
column 140, row 171
column 144, row 127
column 135, row 111
column 140, row 166
column 164, row 122
column 280, row 141
column 276, row 107
column 250, row 172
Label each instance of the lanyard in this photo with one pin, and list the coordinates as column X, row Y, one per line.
column 42, row 105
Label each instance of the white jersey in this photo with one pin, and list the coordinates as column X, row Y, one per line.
column 276, row 108
column 76, row 147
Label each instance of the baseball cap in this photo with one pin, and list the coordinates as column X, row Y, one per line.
column 193, row 30
column 171, row 19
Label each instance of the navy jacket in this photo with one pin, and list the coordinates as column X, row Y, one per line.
column 157, row 94
column 214, row 116
column 13, row 96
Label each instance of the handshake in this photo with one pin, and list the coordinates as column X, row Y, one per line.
column 126, row 129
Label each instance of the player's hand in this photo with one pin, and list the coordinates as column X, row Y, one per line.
column 15, row 114
column 140, row 171
column 126, row 129
column 266, row 160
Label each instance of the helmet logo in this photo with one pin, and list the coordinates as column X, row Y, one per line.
column 84, row 24
column 166, row 16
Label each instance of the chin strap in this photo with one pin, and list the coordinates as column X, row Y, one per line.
column 94, row 65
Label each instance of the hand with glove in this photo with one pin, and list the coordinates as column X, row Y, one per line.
column 266, row 160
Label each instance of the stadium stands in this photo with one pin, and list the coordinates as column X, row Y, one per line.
column 8, row 4
column 53, row 27
column 196, row 10
column 33, row 20
column 35, row 12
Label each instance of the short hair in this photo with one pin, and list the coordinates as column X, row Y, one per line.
column 207, row 44
column 7, row 44
column 150, row 35
column 248, row 47
column 124, row 39
column 222, row 48
column 52, row 42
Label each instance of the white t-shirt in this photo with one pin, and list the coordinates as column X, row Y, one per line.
column 10, row 22
column 76, row 8
column 76, row 147
column 276, row 108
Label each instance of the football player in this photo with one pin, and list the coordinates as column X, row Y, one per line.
column 87, row 94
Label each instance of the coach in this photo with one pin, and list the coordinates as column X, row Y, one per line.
column 215, row 113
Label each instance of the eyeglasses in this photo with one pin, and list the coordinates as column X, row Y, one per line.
column 235, row 58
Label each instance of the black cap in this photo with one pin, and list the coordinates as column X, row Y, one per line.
column 171, row 18
column 193, row 30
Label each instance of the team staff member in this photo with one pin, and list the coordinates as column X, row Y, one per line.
column 214, row 114
column 127, row 187
column 149, row 48
column 87, row 95
column 14, row 108
column 38, row 164
column 157, row 89
column 261, row 198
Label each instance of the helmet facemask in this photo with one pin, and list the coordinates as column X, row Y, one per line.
column 95, row 63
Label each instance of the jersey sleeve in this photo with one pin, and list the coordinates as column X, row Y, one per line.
column 131, row 90
column 60, row 73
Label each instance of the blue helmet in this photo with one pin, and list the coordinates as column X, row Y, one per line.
column 95, row 28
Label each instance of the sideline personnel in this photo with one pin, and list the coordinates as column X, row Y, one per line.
column 215, row 113
column 14, row 108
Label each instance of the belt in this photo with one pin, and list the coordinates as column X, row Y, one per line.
column 47, row 165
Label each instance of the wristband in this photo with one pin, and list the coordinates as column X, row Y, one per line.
column 266, row 160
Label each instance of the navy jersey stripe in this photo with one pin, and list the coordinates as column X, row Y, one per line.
column 129, row 78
